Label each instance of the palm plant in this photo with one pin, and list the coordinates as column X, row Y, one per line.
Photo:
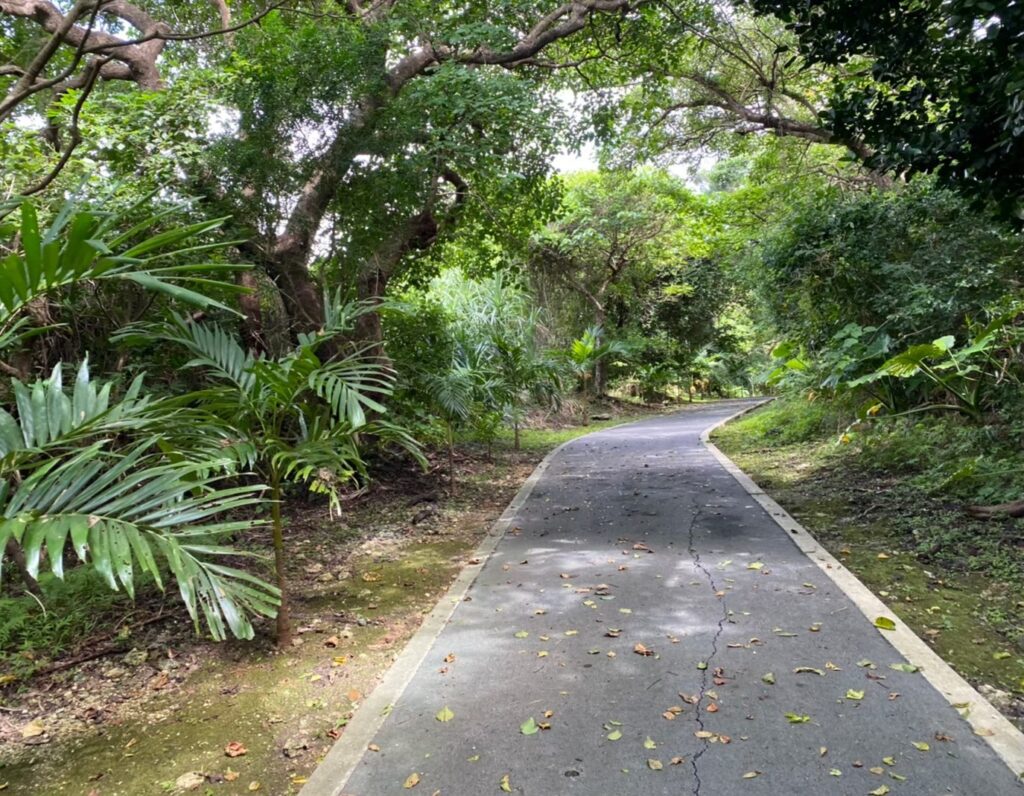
column 588, row 353
column 291, row 419
column 81, row 244
column 525, row 373
column 453, row 394
column 63, row 483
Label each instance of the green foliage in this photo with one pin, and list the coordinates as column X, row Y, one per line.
column 905, row 261
column 932, row 87
column 63, row 484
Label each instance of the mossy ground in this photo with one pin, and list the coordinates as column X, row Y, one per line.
column 361, row 584
column 955, row 581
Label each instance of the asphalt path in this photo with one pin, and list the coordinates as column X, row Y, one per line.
column 646, row 628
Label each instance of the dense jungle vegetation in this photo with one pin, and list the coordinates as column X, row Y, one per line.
column 260, row 262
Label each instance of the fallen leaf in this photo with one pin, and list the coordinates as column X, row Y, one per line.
column 835, row 772
column 649, row 743
column 808, row 670
column 768, row 678
column 751, row 774
column 856, row 696
column 449, row 658
column 885, row 623
column 614, row 735
column 235, row 749
column 529, row 727
column 254, row 786
column 522, row 634
column 654, row 765
column 445, row 714
column 909, row 668
column 230, row 776
column 640, row 649
column 505, row 784
column 411, row 781
column 921, row 746
column 712, row 708
column 879, row 791
column 677, row 761
column 797, row 718
column 373, row 747
column 33, row 729
column 755, row 565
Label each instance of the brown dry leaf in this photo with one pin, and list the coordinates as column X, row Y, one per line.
column 712, row 708
column 941, row 736
column 640, row 649
column 449, row 658
column 33, row 729
column 373, row 747
column 703, row 735
column 677, row 761
column 566, row 576
column 642, row 546
column 333, row 641
column 613, row 632
column 751, row 774
column 411, row 781
column 235, row 749
column 354, row 696
column 623, row 567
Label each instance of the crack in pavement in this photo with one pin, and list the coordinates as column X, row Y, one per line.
column 698, row 564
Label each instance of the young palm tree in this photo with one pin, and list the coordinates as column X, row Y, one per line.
column 63, row 483
column 586, row 354
column 291, row 419
column 62, row 479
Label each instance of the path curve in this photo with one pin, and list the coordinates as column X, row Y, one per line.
column 637, row 538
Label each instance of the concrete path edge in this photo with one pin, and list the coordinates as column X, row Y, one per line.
column 1004, row 738
column 333, row 772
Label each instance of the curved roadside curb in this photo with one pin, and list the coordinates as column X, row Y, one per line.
column 1004, row 738
column 330, row 777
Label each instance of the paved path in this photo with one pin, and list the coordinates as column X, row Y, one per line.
column 638, row 536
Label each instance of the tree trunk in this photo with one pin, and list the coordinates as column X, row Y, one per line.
column 515, row 426
column 369, row 331
column 17, row 557
column 284, row 630
column 1000, row 511
column 252, row 324
column 451, row 460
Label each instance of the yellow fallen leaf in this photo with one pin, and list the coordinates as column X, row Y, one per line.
column 755, row 565
column 751, row 774
column 254, row 786
column 411, row 781
column 654, row 765
column 33, row 729
column 921, row 746
column 505, row 785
